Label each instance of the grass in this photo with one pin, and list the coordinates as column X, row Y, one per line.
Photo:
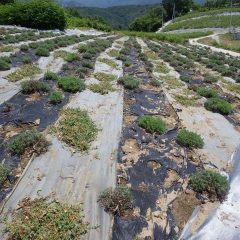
column 4, row 171
column 189, row 139
column 116, row 201
column 71, row 84
column 173, row 38
column 104, row 76
column 60, row 54
column 210, row 78
column 76, row 128
column 109, row 62
column 172, row 82
column 70, row 57
column 26, row 59
column 33, row 86
column 232, row 87
column 185, row 100
column 6, row 48
column 50, row 76
column 160, row 67
column 55, row 97
column 4, row 65
column 152, row 124
column 113, row 53
column 210, row 182
column 27, row 70
column 24, row 48
column 103, row 87
column 207, row 92
column 26, row 140
column 129, row 82
column 218, row 105
column 40, row 219
column 185, row 78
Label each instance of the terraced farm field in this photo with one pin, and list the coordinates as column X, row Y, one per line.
column 116, row 137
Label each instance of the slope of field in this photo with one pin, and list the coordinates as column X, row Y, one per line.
column 203, row 20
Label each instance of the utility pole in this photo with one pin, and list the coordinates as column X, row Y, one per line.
column 173, row 16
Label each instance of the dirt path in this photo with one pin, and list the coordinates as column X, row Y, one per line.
column 73, row 177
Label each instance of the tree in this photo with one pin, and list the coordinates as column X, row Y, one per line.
column 181, row 7
column 6, row 1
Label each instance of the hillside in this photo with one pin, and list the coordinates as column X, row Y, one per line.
column 119, row 16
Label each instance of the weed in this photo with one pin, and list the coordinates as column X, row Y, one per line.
column 185, row 78
column 207, row 92
column 50, row 76
column 189, row 139
column 70, row 57
column 24, row 48
column 71, row 84
column 33, row 86
column 152, row 124
column 116, row 200
column 42, row 52
column 109, row 62
column 104, row 76
column 4, row 65
column 26, row 60
column 40, row 219
column 87, row 64
column 210, row 78
column 103, row 87
column 28, row 139
column 60, row 54
column 129, row 82
column 76, row 128
column 211, row 182
column 160, row 67
column 4, row 171
column 113, row 53
column 218, row 105
column 56, row 97
column 27, row 70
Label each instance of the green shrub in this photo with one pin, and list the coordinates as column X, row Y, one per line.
column 116, row 200
column 207, row 92
column 71, row 84
column 25, row 140
column 210, row 79
column 4, row 171
column 211, row 182
column 40, row 14
column 129, row 82
column 56, row 97
column 185, row 78
column 4, row 65
column 70, row 57
column 50, row 76
column 24, row 48
column 43, row 52
column 189, row 139
column 218, row 105
column 152, row 124
column 33, row 86
column 27, row 59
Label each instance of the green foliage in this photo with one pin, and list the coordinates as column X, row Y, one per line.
column 71, row 84
column 189, row 139
column 118, row 199
column 185, row 78
column 207, row 92
column 218, row 105
column 211, row 182
column 101, row 76
column 40, row 219
column 129, row 82
column 33, row 86
column 109, row 62
column 76, row 128
column 55, row 97
column 40, row 14
column 150, row 22
column 4, row 171
column 50, row 76
column 26, row 60
column 103, row 87
column 25, row 140
column 152, row 124
column 43, row 52
column 70, row 57
column 24, row 48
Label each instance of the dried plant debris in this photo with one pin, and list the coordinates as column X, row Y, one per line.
column 41, row 219
column 76, row 128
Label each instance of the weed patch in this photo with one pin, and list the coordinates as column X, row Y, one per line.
column 102, row 88
column 41, row 219
column 76, row 128
column 104, row 77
